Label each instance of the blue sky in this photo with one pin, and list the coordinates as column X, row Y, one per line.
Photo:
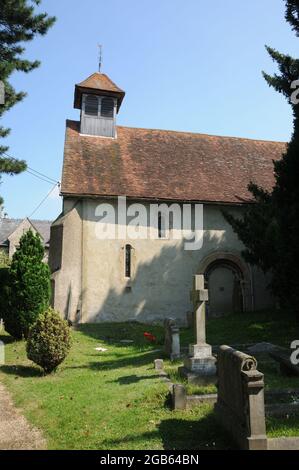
column 190, row 65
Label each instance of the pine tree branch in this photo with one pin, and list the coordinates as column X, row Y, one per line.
column 292, row 14
column 18, row 24
column 11, row 166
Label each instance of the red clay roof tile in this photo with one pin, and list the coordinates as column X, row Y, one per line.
column 158, row 164
column 100, row 81
column 97, row 82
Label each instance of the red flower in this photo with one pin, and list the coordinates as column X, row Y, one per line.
column 150, row 337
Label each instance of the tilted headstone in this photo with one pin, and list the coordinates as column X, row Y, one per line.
column 240, row 404
column 172, row 339
column 199, row 367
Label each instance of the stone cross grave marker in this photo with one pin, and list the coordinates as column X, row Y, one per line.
column 199, row 296
column 172, row 339
column 199, row 367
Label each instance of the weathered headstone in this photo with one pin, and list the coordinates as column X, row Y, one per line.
column 172, row 339
column 179, row 397
column 200, row 366
column 283, row 357
column 240, row 406
column 159, row 364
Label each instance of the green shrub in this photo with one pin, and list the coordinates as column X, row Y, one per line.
column 4, row 259
column 4, row 291
column 29, row 286
column 49, row 341
column 11, row 322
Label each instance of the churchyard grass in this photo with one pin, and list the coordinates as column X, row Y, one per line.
column 278, row 327
column 283, row 427
column 115, row 400
column 106, row 400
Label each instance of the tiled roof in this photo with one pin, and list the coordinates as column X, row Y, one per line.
column 97, row 82
column 100, row 81
column 8, row 226
column 157, row 164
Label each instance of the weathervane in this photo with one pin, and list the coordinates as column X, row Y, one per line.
column 100, row 56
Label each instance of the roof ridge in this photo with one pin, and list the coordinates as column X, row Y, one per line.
column 113, row 83
column 202, row 134
column 11, row 219
column 171, row 131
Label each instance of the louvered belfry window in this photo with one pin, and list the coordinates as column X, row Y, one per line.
column 91, row 105
column 107, row 108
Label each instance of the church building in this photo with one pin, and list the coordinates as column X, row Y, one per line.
column 148, row 278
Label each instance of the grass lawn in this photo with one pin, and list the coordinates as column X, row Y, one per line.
column 114, row 399
column 279, row 328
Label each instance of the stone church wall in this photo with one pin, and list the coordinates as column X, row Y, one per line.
column 91, row 285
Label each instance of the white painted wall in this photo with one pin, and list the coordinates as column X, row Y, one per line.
column 161, row 273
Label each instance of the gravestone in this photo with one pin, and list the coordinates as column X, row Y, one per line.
column 283, row 357
column 179, row 397
column 240, row 406
column 199, row 366
column 172, row 339
column 261, row 348
column 159, row 364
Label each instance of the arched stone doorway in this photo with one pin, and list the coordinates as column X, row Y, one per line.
column 228, row 280
column 224, row 281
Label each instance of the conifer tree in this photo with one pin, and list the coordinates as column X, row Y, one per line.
column 270, row 227
column 19, row 23
column 29, row 286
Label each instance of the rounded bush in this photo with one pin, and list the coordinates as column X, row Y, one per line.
column 49, row 341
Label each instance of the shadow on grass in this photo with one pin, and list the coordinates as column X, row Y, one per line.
column 6, row 339
column 273, row 326
column 121, row 361
column 117, row 333
column 22, row 371
column 130, row 439
column 199, row 434
column 133, row 379
column 180, row 434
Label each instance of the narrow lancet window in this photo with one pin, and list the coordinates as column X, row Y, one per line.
column 128, row 261
column 161, row 226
